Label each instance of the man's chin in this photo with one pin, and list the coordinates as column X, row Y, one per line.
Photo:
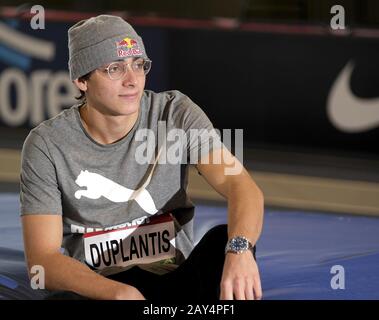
column 129, row 109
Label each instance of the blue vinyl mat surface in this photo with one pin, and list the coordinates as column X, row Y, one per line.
column 296, row 253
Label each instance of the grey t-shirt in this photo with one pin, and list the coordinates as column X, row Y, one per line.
column 125, row 203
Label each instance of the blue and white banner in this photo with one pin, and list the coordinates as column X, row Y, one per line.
column 34, row 80
column 298, row 90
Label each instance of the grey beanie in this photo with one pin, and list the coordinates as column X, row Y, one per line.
column 100, row 40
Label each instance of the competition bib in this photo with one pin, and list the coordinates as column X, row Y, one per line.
column 142, row 244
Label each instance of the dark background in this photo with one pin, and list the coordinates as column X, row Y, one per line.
column 263, row 66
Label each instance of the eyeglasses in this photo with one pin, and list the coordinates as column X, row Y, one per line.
column 117, row 70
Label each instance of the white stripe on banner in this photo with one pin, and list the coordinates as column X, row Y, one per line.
column 25, row 44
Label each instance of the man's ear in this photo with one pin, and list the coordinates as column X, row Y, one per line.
column 81, row 84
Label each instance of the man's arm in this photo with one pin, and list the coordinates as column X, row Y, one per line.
column 245, row 218
column 42, row 241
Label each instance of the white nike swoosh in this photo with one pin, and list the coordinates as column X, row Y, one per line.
column 347, row 112
column 37, row 48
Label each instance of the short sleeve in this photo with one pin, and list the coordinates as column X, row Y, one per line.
column 39, row 191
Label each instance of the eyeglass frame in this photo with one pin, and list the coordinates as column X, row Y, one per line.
column 125, row 65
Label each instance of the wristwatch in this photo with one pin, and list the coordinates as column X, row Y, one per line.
column 238, row 245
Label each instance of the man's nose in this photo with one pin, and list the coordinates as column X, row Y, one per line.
column 130, row 78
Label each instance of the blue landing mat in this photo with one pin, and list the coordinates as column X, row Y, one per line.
column 296, row 253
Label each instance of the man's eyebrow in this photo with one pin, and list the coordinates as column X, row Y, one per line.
column 133, row 59
column 120, row 60
column 109, row 63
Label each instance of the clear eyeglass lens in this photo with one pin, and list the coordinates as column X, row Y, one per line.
column 117, row 70
column 146, row 66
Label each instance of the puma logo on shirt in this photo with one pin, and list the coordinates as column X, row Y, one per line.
column 100, row 186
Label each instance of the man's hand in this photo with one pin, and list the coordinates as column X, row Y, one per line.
column 128, row 292
column 240, row 277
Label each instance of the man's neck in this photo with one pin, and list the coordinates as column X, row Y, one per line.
column 106, row 129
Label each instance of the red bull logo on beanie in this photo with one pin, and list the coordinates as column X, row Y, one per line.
column 128, row 47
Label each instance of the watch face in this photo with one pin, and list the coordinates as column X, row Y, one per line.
column 238, row 244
